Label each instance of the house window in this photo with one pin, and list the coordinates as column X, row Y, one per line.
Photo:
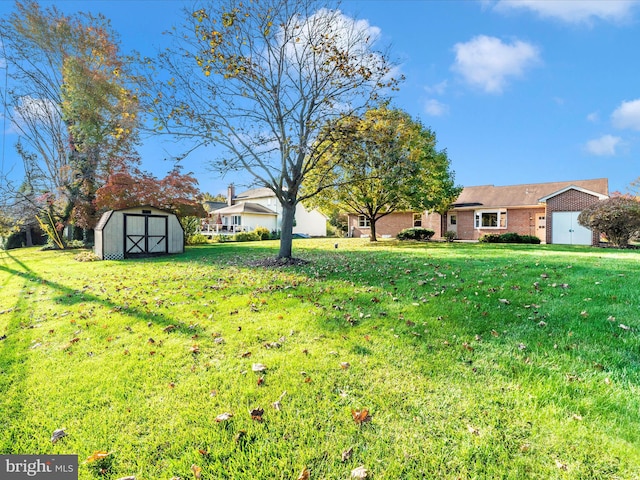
column 453, row 220
column 491, row 219
column 363, row 222
column 236, row 220
column 417, row 219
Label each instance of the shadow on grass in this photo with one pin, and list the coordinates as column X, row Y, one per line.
column 69, row 296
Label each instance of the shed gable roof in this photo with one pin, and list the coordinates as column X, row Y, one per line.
column 490, row 196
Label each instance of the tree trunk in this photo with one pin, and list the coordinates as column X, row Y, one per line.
column 372, row 234
column 286, row 233
column 29, row 238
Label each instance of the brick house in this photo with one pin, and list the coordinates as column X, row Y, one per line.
column 547, row 210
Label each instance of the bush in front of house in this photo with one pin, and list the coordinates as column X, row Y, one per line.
column 246, row 237
column 509, row 237
column 416, row 233
column 450, row 235
column 197, row 239
column 263, row 233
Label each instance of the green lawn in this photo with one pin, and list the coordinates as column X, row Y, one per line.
column 473, row 361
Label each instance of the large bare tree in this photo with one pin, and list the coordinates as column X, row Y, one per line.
column 68, row 98
column 261, row 79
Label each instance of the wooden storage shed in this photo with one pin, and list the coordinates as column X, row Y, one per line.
column 138, row 232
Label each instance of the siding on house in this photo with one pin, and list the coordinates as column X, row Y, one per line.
column 309, row 222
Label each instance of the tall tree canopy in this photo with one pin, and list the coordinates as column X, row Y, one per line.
column 380, row 163
column 261, row 79
column 70, row 99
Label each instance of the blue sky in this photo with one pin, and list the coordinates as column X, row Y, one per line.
column 520, row 91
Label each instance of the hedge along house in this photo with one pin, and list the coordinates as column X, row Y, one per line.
column 546, row 210
column 138, row 232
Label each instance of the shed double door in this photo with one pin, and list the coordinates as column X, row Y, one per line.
column 567, row 230
column 145, row 234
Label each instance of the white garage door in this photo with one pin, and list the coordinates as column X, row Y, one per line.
column 567, row 230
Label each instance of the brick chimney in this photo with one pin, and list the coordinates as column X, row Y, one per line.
column 231, row 193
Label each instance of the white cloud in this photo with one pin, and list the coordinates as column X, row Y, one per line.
column 487, row 62
column 32, row 111
column 593, row 117
column 573, row 11
column 438, row 89
column 627, row 115
column 435, row 108
column 347, row 34
column 603, row 146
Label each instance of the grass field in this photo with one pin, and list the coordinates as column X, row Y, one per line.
column 435, row 361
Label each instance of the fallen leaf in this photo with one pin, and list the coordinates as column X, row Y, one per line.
column 130, row 477
column 304, row 474
column 169, row 328
column 466, row 346
column 246, row 354
column 194, row 349
column 260, row 380
column 360, row 472
column 345, row 365
column 560, row 465
column 258, row 367
column 624, row 327
column 522, row 346
column 494, row 333
column 525, row 447
column 584, row 313
column 97, row 455
column 577, row 417
column 505, row 301
column 256, row 414
column 223, row 417
column 197, row 471
column 472, row 430
column 57, row 435
column 346, row 455
column 361, row 416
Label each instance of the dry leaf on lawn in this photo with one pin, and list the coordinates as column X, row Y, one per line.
column 258, row 367
column 361, row 416
column 197, row 471
column 360, row 472
column 346, row 455
column 57, row 435
column 223, row 417
column 304, row 474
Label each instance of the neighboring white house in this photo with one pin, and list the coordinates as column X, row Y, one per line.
column 259, row 207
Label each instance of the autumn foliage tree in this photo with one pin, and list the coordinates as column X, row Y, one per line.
column 176, row 192
column 380, row 163
column 617, row 217
column 261, row 79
